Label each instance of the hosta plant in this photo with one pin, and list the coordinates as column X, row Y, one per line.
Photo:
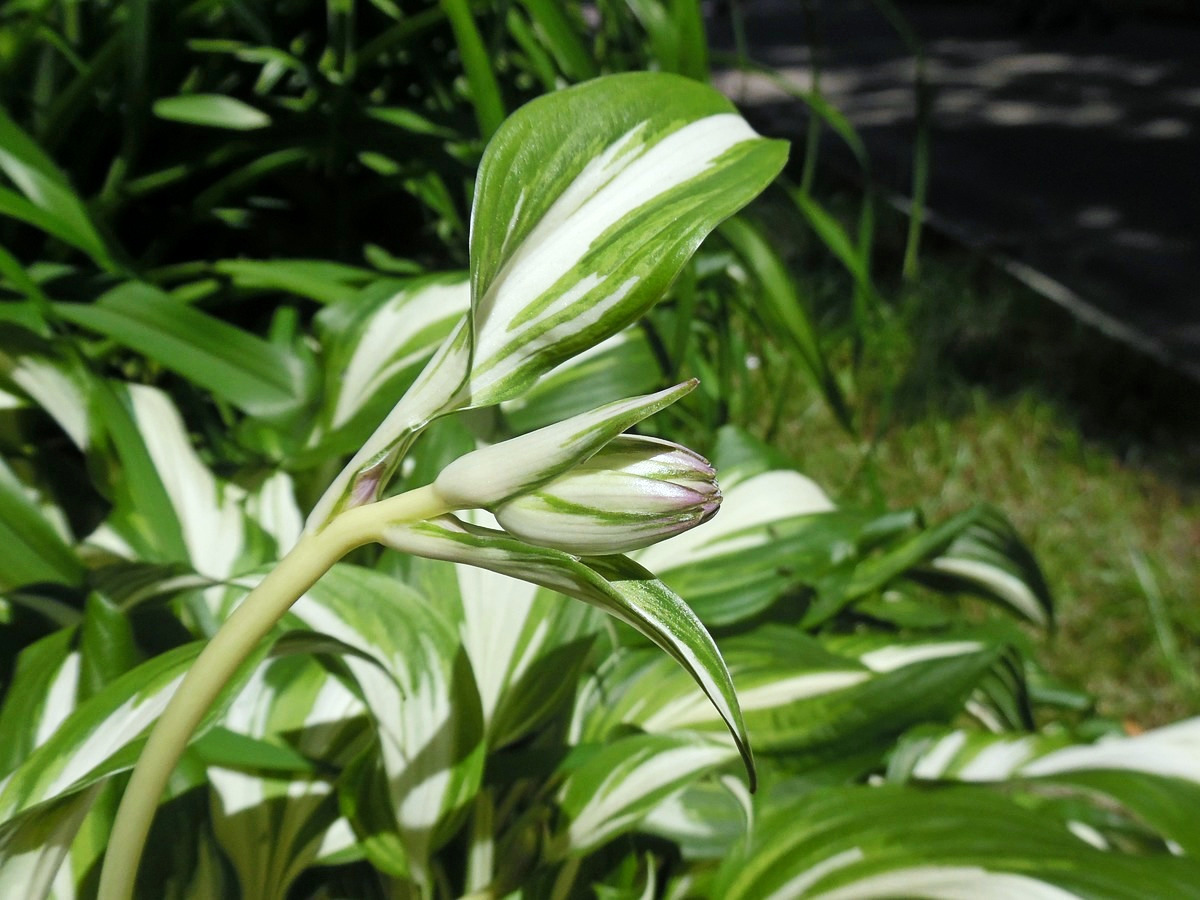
column 588, row 202
column 442, row 717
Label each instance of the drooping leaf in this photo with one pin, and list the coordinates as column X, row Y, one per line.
column 798, row 697
column 614, row 584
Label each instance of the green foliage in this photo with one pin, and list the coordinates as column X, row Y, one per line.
column 188, row 360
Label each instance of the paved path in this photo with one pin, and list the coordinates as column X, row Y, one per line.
column 1074, row 157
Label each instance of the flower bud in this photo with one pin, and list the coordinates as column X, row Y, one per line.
column 490, row 476
column 634, row 492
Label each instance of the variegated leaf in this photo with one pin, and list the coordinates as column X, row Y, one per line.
column 614, row 584
column 522, row 640
column 1154, row 775
column 420, row 694
column 771, row 530
column 35, row 844
column 376, row 339
column 797, row 696
column 93, row 741
column 588, row 203
column 40, row 696
column 617, row 784
column 900, row 842
column 101, row 738
column 273, row 828
column 989, row 558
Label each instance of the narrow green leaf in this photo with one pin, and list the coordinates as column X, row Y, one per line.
column 34, row 551
column 49, row 202
column 258, row 377
column 561, row 37
column 319, row 280
column 485, row 92
column 783, row 307
column 106, row 645
column 212, row 111
column 834, row 237
column 230, row 750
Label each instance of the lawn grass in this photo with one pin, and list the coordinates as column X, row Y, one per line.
column 975, row 389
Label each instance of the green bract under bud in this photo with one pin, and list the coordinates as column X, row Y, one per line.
column 633, row 493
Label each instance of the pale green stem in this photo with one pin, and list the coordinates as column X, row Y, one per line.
column 263, row 607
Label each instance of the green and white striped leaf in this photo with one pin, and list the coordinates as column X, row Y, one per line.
column 524, row 643
column 989, row 558
column 769, row 533
column 798, row 697
column 421, row 696
column 48, row 201
column 614, row 584
column 705, row 820
column 622, row 366
column 34, row 846
column 317, row 279
column 39, row 697
column 617, row 784
column 171, row 507
column 103, row 735
column 59, row 387
column 208, row 511
column 1154, row 775
column 892, row 841
column 588, row 203
column 273, row 827
column 376, row 339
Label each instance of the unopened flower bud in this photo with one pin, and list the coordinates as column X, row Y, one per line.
column 634, row 492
